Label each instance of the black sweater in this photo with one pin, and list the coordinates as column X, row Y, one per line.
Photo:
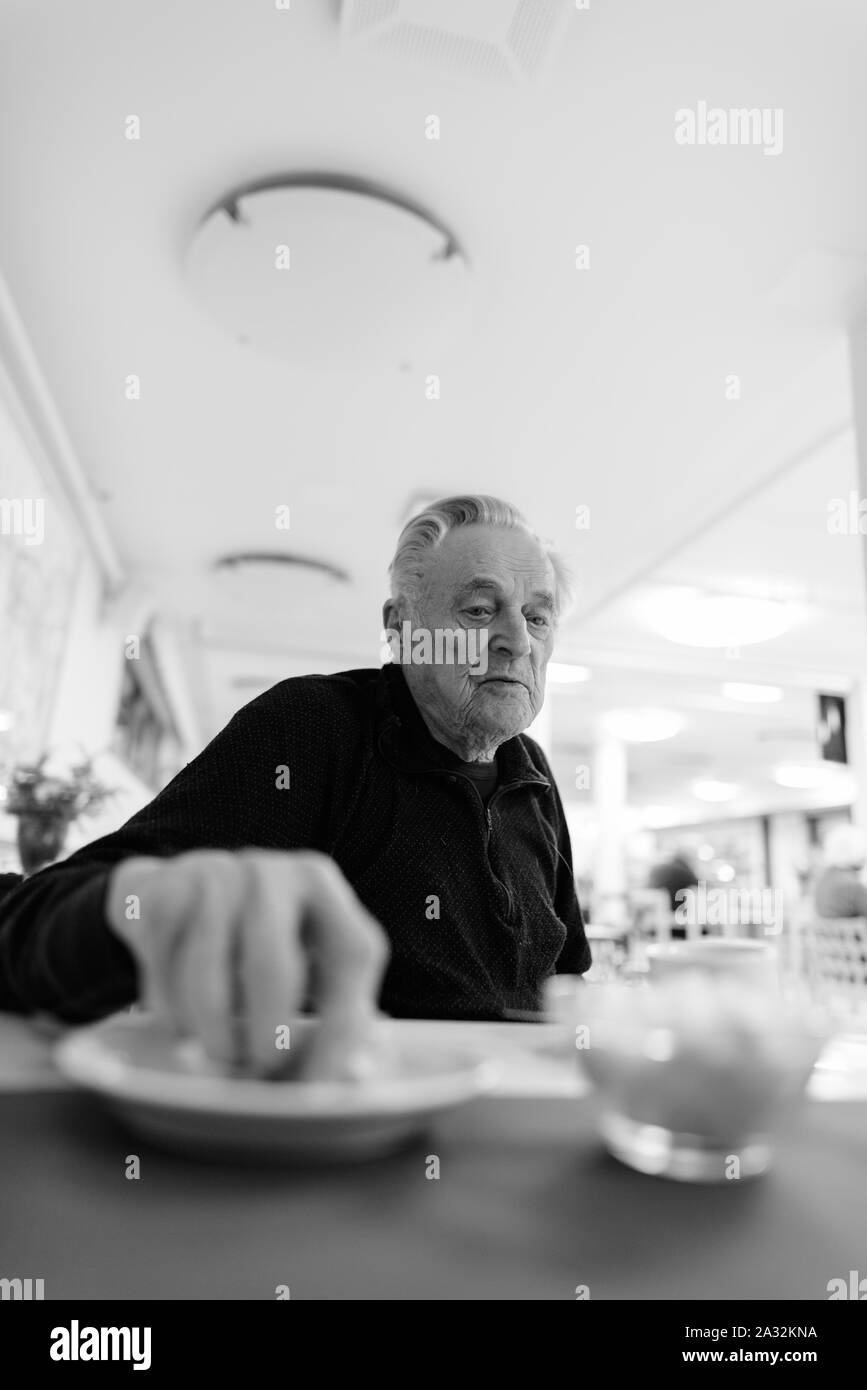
column 478, row 902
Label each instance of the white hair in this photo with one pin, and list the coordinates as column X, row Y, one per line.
column 425, row 532
column 844, row 847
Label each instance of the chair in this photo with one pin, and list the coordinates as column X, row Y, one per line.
column 835, row 957
column 652, row 915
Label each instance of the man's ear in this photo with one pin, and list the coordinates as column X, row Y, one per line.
column 390, row 615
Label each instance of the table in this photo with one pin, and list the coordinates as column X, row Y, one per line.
column 526, row 1206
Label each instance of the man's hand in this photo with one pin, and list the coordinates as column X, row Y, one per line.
column 229, row 946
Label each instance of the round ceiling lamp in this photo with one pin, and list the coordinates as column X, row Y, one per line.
column 661, row 817
column 566, row 673
column 697, row 619
column 708, row 789
column 643, row 725
column 270, row 583
column 752, row 694
column 330, row 273
column 805, row 776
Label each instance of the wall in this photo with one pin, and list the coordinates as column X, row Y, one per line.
column 38, row 577
column 63, row 618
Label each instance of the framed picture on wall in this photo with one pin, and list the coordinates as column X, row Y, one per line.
column 145, row 736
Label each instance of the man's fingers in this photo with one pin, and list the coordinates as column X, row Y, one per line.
column 346, row 943
column 272, row 969
column 204, row 987
column 225, row 944
column 160, row 902
column 190, row 949
column 348, row 952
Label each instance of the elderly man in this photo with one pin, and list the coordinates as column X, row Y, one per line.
column 378, row 836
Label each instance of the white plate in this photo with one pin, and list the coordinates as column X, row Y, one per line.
column 169, row 1092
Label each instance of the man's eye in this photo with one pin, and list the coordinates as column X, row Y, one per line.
column 539, row 618
column 478, row 612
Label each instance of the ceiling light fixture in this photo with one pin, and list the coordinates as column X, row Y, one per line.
column 709, row 790
column 643, row 725
column 660, row 817
column 752, row 694
column 269, row 590
column 267, row 561
column 693, row 618
column 330, row 272
column 562, row 673
column 804, row 776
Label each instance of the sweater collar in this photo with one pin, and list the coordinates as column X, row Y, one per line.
column 405, row 740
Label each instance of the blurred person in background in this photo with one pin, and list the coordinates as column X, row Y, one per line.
column 674, row 876
column 840, row 891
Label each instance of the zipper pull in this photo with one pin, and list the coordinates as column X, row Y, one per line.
column 489, row 821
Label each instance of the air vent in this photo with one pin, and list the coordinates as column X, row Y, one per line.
column 505, row 41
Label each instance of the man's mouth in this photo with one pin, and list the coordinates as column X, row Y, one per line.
column 501, row 680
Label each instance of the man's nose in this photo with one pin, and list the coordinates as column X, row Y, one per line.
column 508, row 634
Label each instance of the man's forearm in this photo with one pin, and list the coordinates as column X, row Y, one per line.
column 57, row 953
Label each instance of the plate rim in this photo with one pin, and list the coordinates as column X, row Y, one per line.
column 472, row 1072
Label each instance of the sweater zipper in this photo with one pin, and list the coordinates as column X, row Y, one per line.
column 489, row 831
column 510, row 913
column 489, row 824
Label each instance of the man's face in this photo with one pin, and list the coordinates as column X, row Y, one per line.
column 500, row 580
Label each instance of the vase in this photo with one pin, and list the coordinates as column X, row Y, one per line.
column 40, row 840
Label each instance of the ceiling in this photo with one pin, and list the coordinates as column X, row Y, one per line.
column 603, row 387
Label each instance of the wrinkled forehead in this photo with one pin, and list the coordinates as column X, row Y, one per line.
column 491, row 557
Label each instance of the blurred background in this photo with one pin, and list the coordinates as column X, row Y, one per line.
column 273, row 277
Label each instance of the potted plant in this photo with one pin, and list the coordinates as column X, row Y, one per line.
column 46, row 801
